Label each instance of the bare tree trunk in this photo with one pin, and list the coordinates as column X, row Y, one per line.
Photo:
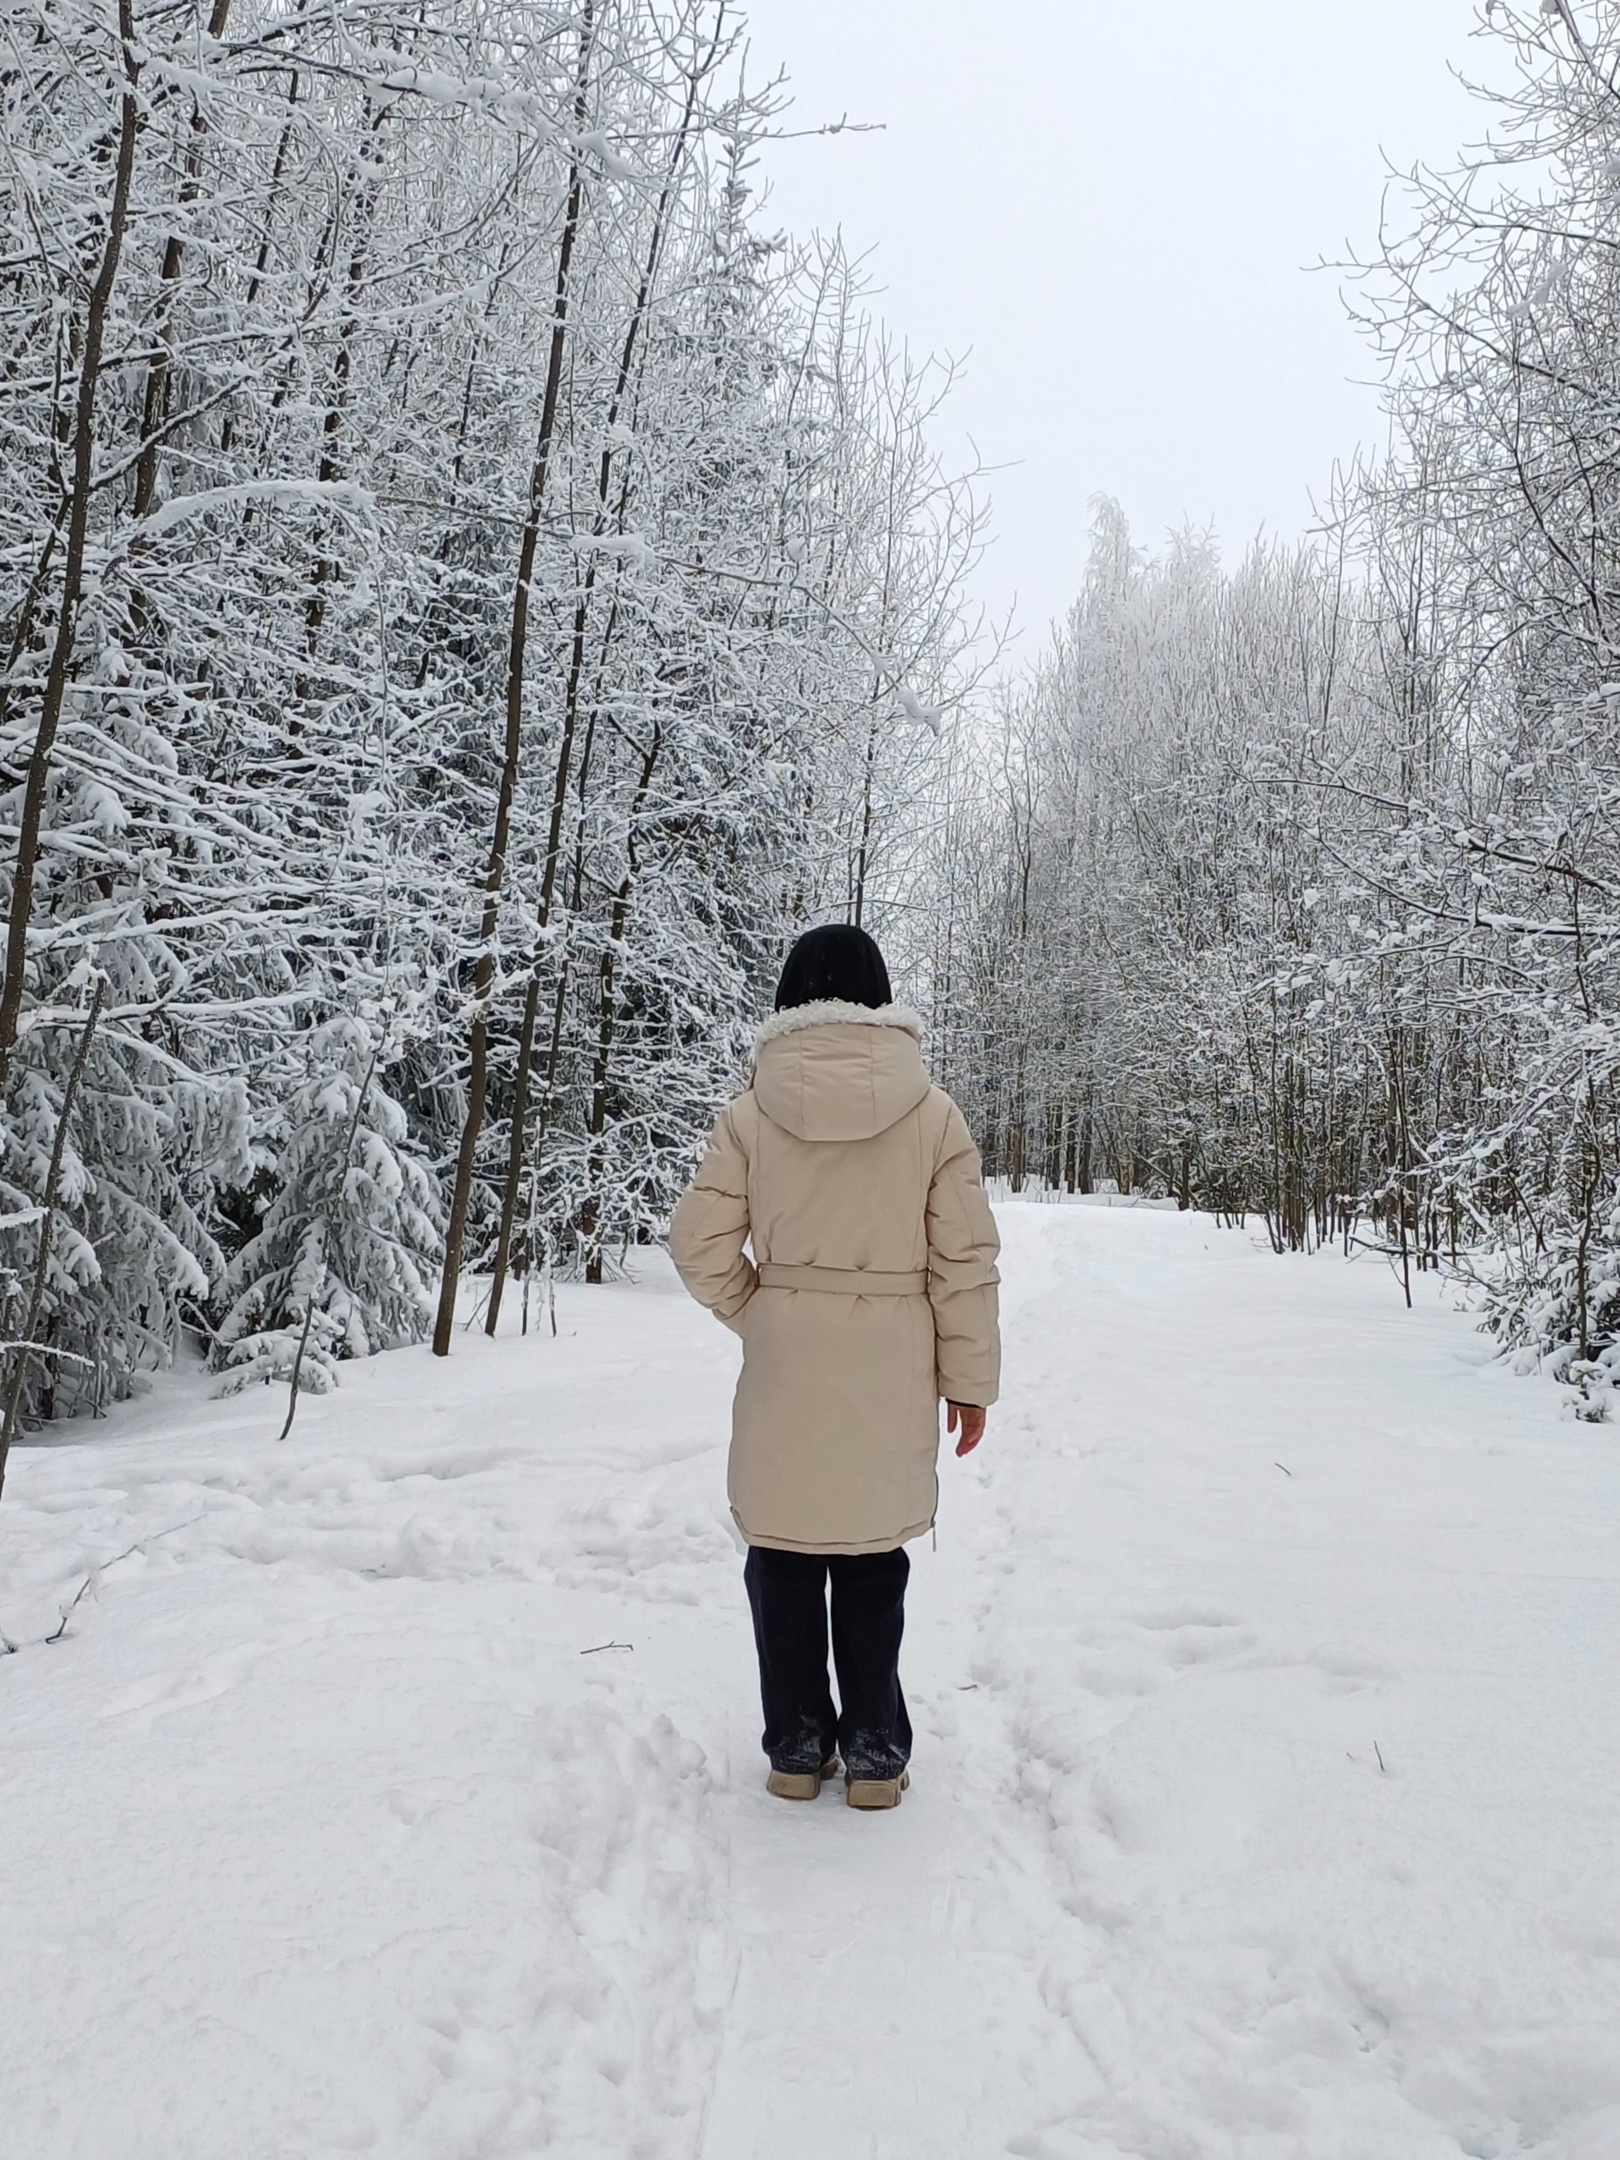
column 78, row 526
column 27, row 613
column 227, row 433
column 863, row 849
column 517, row 656
column 332, row 461
column 517, row 1137
column 606, row 1004
column 516, row 1145
column 160, row 377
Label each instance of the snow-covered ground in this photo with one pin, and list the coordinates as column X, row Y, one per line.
column 400, row 1794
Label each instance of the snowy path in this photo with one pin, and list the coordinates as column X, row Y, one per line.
column 319, row 1835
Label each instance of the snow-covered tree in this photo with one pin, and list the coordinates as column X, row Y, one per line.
column 345, row 1254
column 451, row 550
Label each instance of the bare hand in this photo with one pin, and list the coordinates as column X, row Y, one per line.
column 970, row 1417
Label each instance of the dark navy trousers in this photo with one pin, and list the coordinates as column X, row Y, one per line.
column 788, row 1594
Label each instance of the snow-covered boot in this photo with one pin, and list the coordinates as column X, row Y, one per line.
column 801, row 1784
column 875, row 1792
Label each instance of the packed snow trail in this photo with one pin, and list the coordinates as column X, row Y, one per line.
column 401, row 1793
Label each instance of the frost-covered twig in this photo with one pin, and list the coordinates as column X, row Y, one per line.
column 91, row 1580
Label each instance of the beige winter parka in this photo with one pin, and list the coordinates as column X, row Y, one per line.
column 872, row 1289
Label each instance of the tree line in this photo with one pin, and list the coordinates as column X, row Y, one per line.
column 471, row 589
column 468, row 587
column 1301, row 897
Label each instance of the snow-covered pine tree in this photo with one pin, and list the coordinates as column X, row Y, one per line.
column 343, row 1261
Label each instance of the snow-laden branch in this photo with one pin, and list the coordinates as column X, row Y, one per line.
column 313, row 495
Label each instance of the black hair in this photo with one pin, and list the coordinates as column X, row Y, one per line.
column 834, row 961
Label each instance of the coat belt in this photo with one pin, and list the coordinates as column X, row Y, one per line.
column 856, row 1282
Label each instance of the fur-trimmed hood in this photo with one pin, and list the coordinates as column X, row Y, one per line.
column 834, row 1012
column 831, row 1071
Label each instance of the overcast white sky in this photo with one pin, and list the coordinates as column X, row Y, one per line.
column 1109, row 206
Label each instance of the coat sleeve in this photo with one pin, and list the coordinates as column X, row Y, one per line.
column 710, row 1225
column 962, row 1278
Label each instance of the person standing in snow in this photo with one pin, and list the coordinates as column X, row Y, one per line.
column 870, row 1296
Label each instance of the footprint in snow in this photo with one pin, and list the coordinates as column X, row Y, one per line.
column 161, row 1693
column 1347, row 1670
column 1165, row 1618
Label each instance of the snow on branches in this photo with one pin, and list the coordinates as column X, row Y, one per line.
column 1303, row 894
column 445, row 551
